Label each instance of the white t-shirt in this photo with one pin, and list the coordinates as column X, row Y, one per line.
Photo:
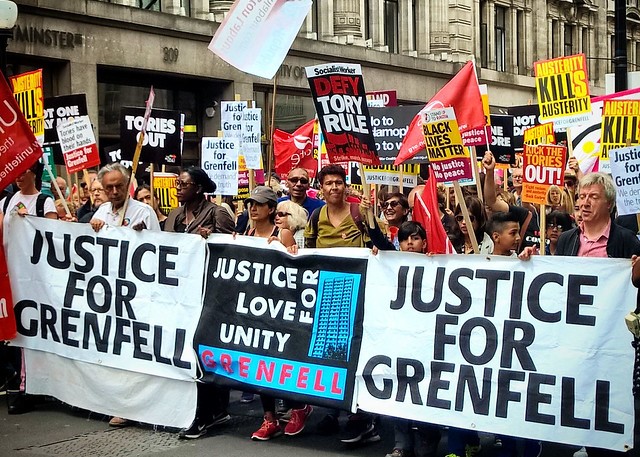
column 136, row 212
column 19, row 200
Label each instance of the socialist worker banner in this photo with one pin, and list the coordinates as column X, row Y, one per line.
column 498, row 345
column 562, row 86
column 340, row 101
column 19, row 148
column 283, row 325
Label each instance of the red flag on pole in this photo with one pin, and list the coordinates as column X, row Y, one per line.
column 425, row 211
column 295, row 150
column 463, row 94
column 7, row 317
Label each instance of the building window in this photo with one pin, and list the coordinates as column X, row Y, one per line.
column 585, row 49
column 568, row 40
column 151, row 5
column 391, row 25
column 520, row 43
column 501, row 38
column 414, row 29
column 484, row 37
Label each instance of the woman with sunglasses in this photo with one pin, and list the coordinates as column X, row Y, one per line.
column 478, row 217
column 557, row 222
column 196, row 214
column 292, row 217
column 395, row 209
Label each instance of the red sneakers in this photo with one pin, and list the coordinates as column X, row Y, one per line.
column 298, row 420
column 267, row 431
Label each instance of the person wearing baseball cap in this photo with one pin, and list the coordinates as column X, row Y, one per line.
column 262, row 195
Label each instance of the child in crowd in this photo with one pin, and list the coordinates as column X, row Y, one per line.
column 504, row 229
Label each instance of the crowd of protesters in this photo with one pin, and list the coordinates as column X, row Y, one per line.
column 580, row 222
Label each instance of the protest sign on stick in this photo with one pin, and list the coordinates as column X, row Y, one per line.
column 625, row 170
column 220, row 162
column 78, row 144
column 562, row 86
column 340, row 100
column 28, row 92
column 620, row 127
column 164, row 186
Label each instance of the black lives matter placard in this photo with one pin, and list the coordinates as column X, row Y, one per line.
column 531, row 349
column 119, row 298
column 282, row 325
column 341, row 104
column 58, row 110
column 162, row 144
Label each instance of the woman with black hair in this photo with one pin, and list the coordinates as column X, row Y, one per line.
column 478, row 217
column 196, row 214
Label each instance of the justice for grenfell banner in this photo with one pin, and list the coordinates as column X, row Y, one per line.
column 282, row 325
column 533, row 349
column 117, row 298
column 501, row 345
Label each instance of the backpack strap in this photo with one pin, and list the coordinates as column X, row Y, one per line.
column 7, row 200
column 42, row 198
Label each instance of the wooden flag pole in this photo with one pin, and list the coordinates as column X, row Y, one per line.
column 476, row 174
column 366, row 191
column 219, row 196
column 467, row 219
column 152, row 169
column 272, row 126
column 543, row 229
column 57, row 187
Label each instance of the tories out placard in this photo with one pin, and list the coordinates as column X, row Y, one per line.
column 162, row 143
column 282, row 325
column 340, row 101
column 542, row 167
column 450, row 160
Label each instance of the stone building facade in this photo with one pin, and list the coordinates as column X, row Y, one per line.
column 114, row 50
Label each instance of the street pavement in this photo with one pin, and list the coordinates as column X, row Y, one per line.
column 55, row 429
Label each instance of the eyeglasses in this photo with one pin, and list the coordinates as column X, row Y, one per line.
column 460, row 218
column 552, row 226
column 97, row 191
column 282, row 214
column 390, row 204
column 295, row 180
column 182, row 184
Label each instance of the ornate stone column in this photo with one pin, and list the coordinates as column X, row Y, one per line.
column 219, row 8
column 346, row 18
column 439, row 26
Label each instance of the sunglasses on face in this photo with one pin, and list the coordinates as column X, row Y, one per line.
column 282, row 214
column 182, row 184
column 295, row 180
column 460, row 218
column 390, row 204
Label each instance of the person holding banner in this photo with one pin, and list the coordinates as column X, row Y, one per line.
column 196, row 214
column 115, row 179
column 597, row 235
column 298, row 181
column 28, row 200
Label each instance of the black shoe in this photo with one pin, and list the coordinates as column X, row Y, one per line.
column 358, row 429
column 200, row 427
column 18, row 402
column 328, row 425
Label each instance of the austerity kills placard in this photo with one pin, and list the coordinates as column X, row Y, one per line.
column 282, row 325
column 493, row 344
column 219, row 160
column 625, row 170
column 501, row 140
column 164, row 188
column 340, row 101
column 542, row 166
column 524, row 117
column 539, row 134
column 562, row 86
column 57, row 110
column 162, row 143
column 620, row 127
column 29, row 93
column 78, row 144
column 450, row 160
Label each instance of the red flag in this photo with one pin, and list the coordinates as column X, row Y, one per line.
column 7, row 317
column 463, row 94
column 295, row 150
column 425, row 211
